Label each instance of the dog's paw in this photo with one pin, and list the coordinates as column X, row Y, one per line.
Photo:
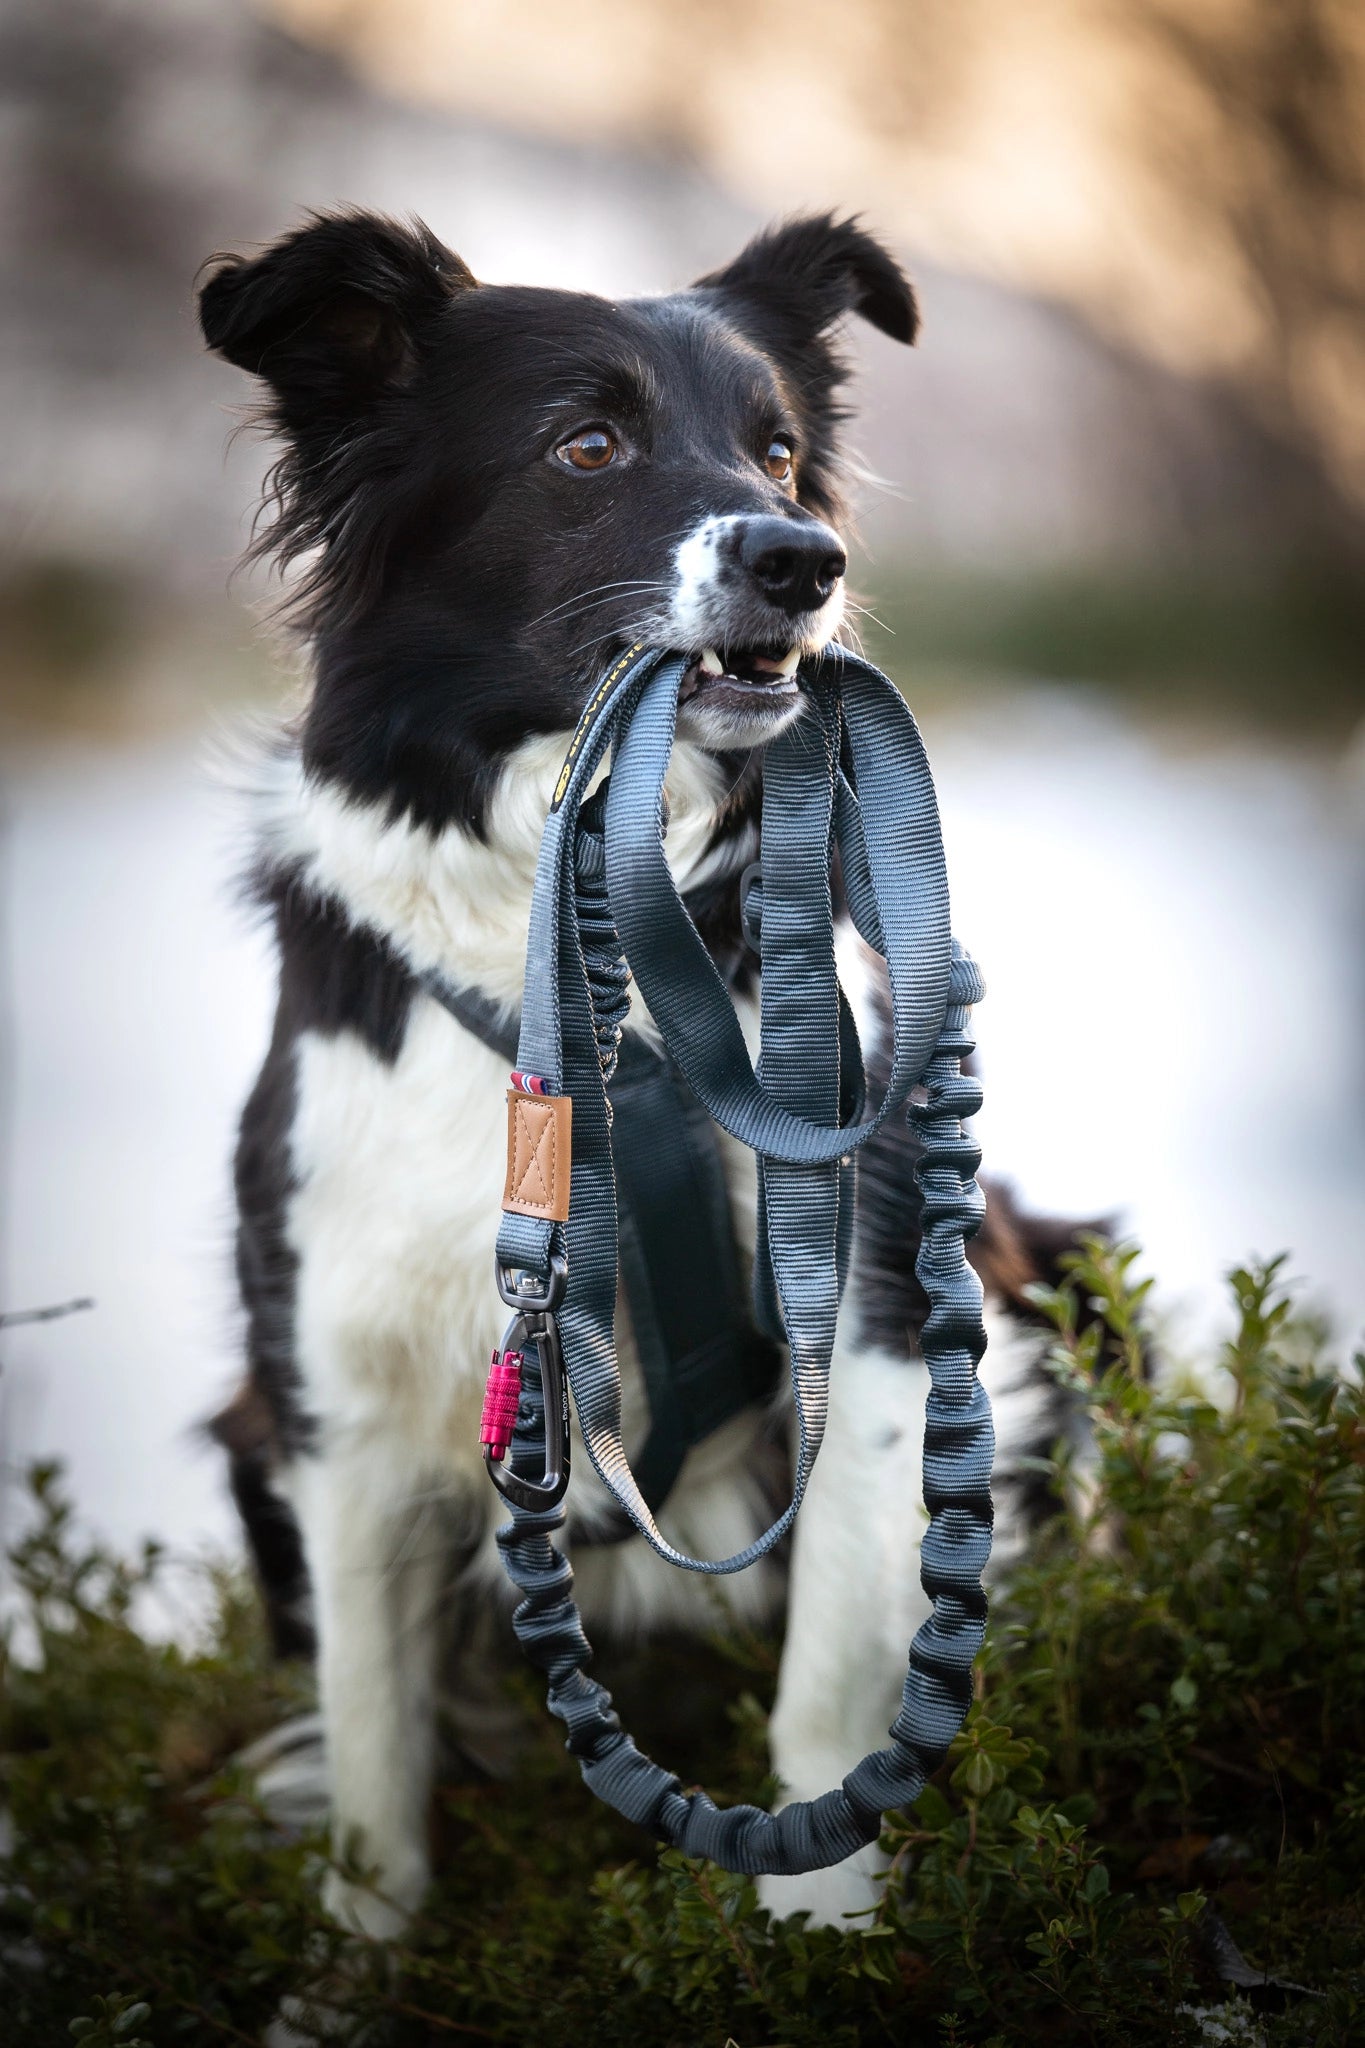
column 310, row 2021
column 828, row 1896
column 379, row 1915
column 325, row 2011
column 318, row 2018
column 289, row 1765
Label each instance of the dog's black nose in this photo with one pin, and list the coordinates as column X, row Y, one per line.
column 795, row 563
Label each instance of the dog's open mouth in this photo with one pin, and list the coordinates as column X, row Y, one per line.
column 752, row 681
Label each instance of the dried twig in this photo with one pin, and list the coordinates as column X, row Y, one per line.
column 10, row 1319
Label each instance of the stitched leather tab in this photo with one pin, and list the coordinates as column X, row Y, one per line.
column 539, row 1155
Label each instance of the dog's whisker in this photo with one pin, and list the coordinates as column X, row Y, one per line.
column 601, row 593
column 866, row 612
column 570, row 618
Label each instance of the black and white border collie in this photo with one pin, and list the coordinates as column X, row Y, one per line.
column 492, row 488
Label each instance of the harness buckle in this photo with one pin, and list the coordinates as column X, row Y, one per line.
column 535, row 1328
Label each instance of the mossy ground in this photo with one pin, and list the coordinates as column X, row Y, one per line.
column 1169, row 1741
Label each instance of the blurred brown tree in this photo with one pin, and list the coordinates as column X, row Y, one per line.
column 1273, row 163
column 1190, row 172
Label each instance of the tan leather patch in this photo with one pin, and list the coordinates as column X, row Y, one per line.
column 539, row 1155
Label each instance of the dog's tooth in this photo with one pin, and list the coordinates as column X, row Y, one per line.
column 711, row 663
column 769, row 665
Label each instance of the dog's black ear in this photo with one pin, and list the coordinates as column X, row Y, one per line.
column 807, row 273
column 333, row 315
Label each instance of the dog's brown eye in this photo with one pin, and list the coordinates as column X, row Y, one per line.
column 778, row 462
column 593, row 449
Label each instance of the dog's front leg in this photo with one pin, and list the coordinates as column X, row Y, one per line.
column 376, row 1566
column 855, row 1602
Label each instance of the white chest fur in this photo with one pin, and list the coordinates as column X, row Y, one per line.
column 399, row 1173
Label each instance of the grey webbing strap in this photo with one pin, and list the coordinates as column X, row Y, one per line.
column 702, row 1358
column 886, row 828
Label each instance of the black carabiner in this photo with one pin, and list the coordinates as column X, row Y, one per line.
column 537, row 1327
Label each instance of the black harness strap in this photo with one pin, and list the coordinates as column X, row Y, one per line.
column 702, row 1358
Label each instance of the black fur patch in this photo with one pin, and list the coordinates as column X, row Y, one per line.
column 335, row 975
column 267, row 1266
column 276, row 1548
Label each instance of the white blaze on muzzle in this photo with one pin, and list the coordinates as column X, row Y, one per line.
column 712, row 604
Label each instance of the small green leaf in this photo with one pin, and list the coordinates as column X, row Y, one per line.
column 978, row 1774
column 932, row 1809
column 999, row 1806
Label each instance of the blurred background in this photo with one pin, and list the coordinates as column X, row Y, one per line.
column 1112, row 529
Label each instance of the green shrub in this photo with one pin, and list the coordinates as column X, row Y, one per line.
column 1167, row 1754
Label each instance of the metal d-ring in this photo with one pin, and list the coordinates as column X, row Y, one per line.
column 530, row 1292
column 537, row 1327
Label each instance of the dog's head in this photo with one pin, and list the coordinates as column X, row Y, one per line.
column 499, row 486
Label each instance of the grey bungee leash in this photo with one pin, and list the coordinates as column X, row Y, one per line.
column 850, row 774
